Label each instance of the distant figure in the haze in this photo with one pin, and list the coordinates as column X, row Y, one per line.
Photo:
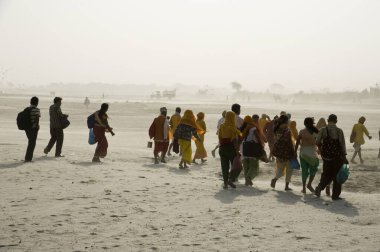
column 220, row 121
column 200, row 152
column 186, row 130
column 101, row 126
column 173, row 123
column 357, row 137
column 86, row 102
column 56, row 127
column 159, row 131
column 32, row 131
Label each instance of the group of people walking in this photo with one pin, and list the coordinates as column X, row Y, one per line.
column 241, row 143
column 58, row 122
column 180, row 130
column 245, row 139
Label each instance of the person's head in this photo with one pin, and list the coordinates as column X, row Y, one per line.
column 264, row 116
column 163, row 111
column 188, row 115
column 309, row 125
column 362, row 120
column 236, row 108
column 321, row 123
column 34, row 101
column 308, row 122
column 282, row 120
column 57, row 100
column 275, row 117
column 332, row 119
column 230, row 118
column 200, row 116
column 104, row 107
column 282, row 113
column 224, row 113
column 255, row 118
column 178, row 110
column 289, row 115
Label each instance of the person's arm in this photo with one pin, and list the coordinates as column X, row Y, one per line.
column 236, row 145
column 342, row 142
column 297, row 143
column 366, row 132
column 195, row 134
column 318, row 141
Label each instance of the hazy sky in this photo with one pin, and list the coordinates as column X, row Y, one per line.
column 300, row 44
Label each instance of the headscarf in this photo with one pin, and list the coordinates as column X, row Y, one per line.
column 200, row 121
column 249, row 124
column 361, row 120
column 309, row 124
column 228, row 128
column 200, row 116
column 188, row 118
column 321, row 123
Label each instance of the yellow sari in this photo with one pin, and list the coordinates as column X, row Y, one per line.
column 200, row 151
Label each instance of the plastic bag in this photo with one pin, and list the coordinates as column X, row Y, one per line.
column 343, row 174
column 91, row 137
column 294, row 164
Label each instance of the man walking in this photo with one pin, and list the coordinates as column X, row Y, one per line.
column 173, row 123
column 32, row 131
column 56, row 127
column 332, row 146
column 159, row 130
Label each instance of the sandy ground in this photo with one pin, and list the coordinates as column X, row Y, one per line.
column 129, row 204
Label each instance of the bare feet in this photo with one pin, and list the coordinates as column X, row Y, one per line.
column 311, row 189
column 213, row 153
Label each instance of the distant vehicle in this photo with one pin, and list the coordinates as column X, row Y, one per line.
column 156, row 95
column 169, row 93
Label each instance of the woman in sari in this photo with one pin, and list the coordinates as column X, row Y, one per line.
column 283, row 150
column 186, row 130
column 101, row 126
column 229, row 147
column 308, row 153
column 251, row 132
column 200, row 152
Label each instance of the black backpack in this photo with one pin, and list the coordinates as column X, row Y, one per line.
column 23, row 120
column 330, row 148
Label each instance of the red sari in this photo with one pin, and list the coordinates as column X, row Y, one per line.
column 100, row 137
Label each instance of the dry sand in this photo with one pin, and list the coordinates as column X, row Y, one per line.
column 129, row 204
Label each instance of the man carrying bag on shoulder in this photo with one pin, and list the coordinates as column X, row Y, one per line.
column 58, row 122
column 332, row 147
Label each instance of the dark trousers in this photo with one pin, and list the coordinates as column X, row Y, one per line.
column 330, row 170
column 56, row 136
column 227, row 154
column 32, row 138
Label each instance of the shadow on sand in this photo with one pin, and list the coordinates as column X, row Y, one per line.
column 228, row 196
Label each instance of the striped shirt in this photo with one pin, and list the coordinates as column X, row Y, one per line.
column 55, row 116
column 35, row 115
